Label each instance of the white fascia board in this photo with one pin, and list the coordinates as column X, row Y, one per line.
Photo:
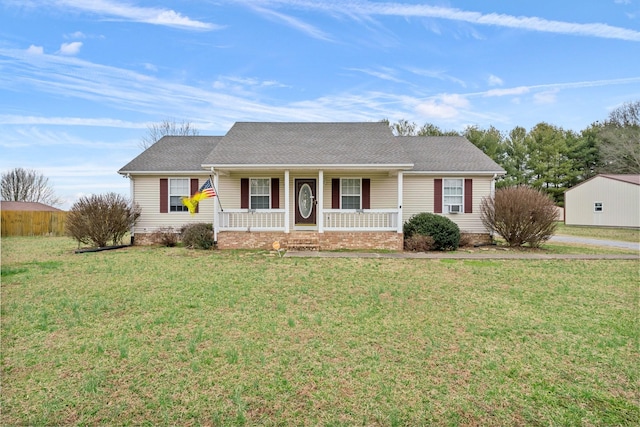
column 455, row 173
column 311, row 166
column 193, row 172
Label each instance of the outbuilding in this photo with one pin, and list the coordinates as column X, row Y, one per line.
column 608, row 200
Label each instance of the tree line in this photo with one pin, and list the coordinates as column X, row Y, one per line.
column 548, row 157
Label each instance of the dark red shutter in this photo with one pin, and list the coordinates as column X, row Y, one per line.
column 244, row 193
column 164, row 195
column 275, row 193
column 468, row 195
column 437, row 195
column 335, row 193
column 194, row 190
column 366, row 193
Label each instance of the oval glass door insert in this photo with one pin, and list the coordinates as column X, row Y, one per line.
column 305, row 201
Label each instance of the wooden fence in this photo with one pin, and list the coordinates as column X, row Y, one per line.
column 32, row 223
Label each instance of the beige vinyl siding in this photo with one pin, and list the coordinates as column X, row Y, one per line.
column 146, row 193
column 384, row 188
column 418, row 197
column 620, row 203
column 229, row 187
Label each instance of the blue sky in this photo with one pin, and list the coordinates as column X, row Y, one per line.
column 80, row 80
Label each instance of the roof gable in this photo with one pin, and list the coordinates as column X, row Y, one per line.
column 173, row 154
column 447, row 154
column 324, row 145
column 630, row 178
column 263, row 144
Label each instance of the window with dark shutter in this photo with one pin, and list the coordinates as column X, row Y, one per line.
column 275, row 193
column 335, row 193
column 437, row 195
column 164, row 195
column 468, row 195
column 194, row 190
column 244, row 193
column 366, row 193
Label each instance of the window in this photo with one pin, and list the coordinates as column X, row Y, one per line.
column 178, row 188
column 452, row 190
column 350, row 195
column 597, row 207
column 260, row 193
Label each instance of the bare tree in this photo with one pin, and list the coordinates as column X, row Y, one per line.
column 167, row 127
column 620, row 140
column 27, row 185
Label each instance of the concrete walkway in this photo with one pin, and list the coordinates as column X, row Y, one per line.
column 490, row 252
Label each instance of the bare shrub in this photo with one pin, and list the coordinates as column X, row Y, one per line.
column 166, row 236
column 198, row 236
column 520, row 215
column 419, row 243
column 98, row 219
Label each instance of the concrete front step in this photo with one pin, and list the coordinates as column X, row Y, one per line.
column 300, row 243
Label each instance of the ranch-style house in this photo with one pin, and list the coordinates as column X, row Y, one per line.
column 315, row 185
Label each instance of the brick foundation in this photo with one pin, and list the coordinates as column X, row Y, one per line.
column 333, row 240
column 329, row 240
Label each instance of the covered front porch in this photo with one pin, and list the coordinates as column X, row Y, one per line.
column 308, row 215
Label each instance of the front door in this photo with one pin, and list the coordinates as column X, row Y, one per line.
column 305, row 201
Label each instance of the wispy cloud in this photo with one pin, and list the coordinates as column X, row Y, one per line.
column 494, row 80
column 148, row 15
column 216, row 107
column 383, row 74
column 14, row 119
column 35, row 50
column 440, row 75
column 529, row 23
column 292, row 22
column 70, row 49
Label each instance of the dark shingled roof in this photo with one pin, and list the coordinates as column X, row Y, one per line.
column 174, row 154
column 252, row 143
column 446, row 154
column 249, row 144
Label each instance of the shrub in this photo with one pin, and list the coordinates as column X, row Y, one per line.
column 165, row 236
column 418, row 243
column 520, row 215
column 198, row 236
column 444, row 232
column 96, row 219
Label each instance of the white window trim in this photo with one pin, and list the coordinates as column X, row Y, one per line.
column 359, row 195
column 261, row 195
column 446, row 206
column 178, row 195
column 595, row 205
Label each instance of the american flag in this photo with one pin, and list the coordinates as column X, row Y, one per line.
column 207, row 189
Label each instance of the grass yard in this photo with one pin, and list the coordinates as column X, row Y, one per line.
column 168, row 336
column 606, row 233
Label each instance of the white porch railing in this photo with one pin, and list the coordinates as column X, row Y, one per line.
column 334, row 220
column 361, row 220
column 256, row 220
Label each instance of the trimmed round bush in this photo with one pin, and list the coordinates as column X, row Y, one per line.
column 444, row 232
column 198, row 236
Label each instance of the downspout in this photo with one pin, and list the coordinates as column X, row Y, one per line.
column 492, row 194
column 132, row 189
column 216, row 222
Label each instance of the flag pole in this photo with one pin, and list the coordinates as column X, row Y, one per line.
column 216, row 190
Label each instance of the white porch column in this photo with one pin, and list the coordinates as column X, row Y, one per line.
column 216, row 203
column 320, row 200
column 286, row 201
column 400, row 180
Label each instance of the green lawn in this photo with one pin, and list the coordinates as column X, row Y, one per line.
column 607, row 233
column 168, row 336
